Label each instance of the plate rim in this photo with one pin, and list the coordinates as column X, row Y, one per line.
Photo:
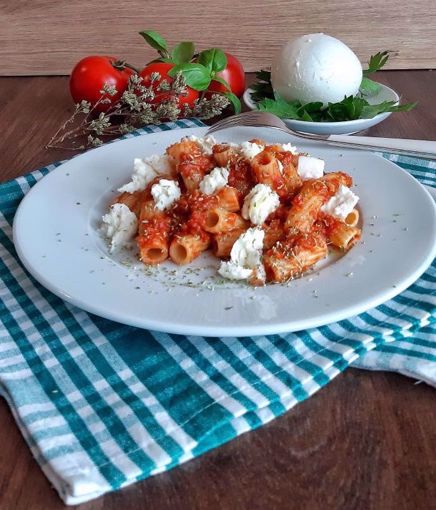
column 213, row 330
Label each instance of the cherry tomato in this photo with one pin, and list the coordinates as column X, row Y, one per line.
column 92, row 73
column 234, row 76
column 162, row 68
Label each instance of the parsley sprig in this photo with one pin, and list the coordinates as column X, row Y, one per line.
column 350, row 108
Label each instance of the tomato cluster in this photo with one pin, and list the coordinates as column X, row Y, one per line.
column 92, row 73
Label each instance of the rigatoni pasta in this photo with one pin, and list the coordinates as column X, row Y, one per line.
column 252, row 204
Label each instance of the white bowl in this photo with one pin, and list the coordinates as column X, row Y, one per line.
column 345, row 127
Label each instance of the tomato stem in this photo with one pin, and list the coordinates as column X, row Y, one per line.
column 122, row 64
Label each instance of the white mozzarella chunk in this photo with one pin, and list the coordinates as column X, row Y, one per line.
column 310, row 168
column 232, row 271
column 145, row 170
column 288, row 147
column 245, row 256
column 143, row 174
column 119, row 225
column 205, row 143
column 341, row 204
column 259, row 204
column 165, row 193
column 214, row 181
column 250, row 150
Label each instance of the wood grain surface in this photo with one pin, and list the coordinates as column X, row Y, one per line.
column 367, row 441
column 48, row 37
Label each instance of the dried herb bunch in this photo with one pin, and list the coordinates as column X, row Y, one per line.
column 139, row 105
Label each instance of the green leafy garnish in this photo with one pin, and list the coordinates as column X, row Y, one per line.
column 350, row 108
column 214, row 59
column 156, row 41
column 183, row 52
column 376, row 62
column 371, row 110
column 262, row 88
column 198, row 70
column 196, row 75
column 234, row 100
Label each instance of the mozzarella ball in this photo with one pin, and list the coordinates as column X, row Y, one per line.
column 316, row 67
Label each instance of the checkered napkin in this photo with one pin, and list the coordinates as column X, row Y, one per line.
column 102, row 405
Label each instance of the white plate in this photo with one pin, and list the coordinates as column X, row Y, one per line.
column 337, row 128
column 56, row 237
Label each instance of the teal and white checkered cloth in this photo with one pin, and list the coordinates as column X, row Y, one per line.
column 102, row 405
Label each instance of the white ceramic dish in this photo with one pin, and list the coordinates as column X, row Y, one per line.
column 337, row 128
column 57, row 238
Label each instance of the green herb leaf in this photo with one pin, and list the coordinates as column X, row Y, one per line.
column 350, row 108
column 234, row 100
column 262, row 88
column 371, row 110
column 222, row 81
column 376, row 62
column 183, row 52
column 155, row 40
column 280, row 107
column 214, row 59
column 369, row 87
column 196, row 75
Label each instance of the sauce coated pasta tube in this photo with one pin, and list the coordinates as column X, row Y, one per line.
column 153, row 241
column 292, row 256
column 228, row 198
column 222, row 244
column 185, row 248
column 177, row 150
column 308, row 202
column 224, row 154
column 219, row 220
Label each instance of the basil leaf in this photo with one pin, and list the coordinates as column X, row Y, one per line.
column 183, row 52
column 234, row 100
column 214, row 59
column 155, row 40
column 222, row 81
column 369, row 87
column 196, row 75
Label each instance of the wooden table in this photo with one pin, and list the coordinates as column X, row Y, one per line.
column 366, row 441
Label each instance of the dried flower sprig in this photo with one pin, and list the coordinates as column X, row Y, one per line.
column 138, row 106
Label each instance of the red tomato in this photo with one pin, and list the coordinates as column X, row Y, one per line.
column 91, row 74
column 162, row 68
column 234, row 76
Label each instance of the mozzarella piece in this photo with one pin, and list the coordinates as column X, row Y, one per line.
column 119, row 225
column 160, row 164
column 259, row 204
column 232, row 271
column 310, row 168
column 316, row 67
column 165, row 193
column 250, row 150
column 288, row 147
column 205, row 143
column 341, row 204
column 245, row 256
column 214, row 181
column 143, row 173
column 145, row 170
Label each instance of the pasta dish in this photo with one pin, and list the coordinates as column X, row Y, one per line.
column 268, row 212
